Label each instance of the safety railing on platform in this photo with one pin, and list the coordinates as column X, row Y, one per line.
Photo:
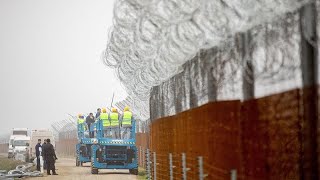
column 66, row 135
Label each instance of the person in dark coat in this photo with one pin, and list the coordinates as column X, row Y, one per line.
column 38, row 150
column 89, row 121
column 50, row 157
column 43, row 147
column 98, row 113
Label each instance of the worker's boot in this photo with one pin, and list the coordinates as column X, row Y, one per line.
column 54, row 172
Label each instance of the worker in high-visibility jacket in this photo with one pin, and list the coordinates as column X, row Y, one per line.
column 126, row 123
column 81, row 125
column 114, row 122
column 104, row 118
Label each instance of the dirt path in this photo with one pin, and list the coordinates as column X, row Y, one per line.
column 67, row 170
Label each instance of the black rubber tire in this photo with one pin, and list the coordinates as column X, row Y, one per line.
column 77, row 162
column 133, row 171
column 94, row 170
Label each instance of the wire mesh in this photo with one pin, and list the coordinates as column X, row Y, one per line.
column 216, row 74
column 151, row 40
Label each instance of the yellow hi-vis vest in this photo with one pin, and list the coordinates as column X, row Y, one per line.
column 80, row 121
column 105, row 119
column 127, row 116
column 114, row 119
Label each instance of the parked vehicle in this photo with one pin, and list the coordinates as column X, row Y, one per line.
column 111, row 153
column 20, row 148
column 39, row 134
column 16, row 134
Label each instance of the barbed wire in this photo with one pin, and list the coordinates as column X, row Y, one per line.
column 151, row 39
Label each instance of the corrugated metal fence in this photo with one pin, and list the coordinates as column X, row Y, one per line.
column 258, row 139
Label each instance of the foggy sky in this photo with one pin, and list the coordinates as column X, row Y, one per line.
column 50, row 60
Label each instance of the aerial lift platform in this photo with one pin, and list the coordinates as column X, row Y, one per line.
column 110, row 153
column 83, row 148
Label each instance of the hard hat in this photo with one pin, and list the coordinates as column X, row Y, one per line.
column 114, row 110
column 104, row 110
column 126, row 108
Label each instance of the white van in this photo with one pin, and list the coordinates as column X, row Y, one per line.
column 16, row 133
column 20, row 148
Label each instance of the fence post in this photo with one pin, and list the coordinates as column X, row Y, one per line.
column 201, row 173
column 170, row 166
column 154, row 166
column 143, row 160
column 233, row 174
column 148, row 165
column 184, row 167
column 140, row 156
column 309, row 168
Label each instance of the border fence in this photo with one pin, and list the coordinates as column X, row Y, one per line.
column 4, row 145
column 65, row 132
column 248, row 109
column 257, row 139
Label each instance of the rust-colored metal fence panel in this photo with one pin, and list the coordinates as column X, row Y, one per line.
column 211, row 131
column 310, row 128
column 260, row 138
column 270, row 137
column 142, row 140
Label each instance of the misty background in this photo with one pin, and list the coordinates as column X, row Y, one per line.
column 50, row 61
